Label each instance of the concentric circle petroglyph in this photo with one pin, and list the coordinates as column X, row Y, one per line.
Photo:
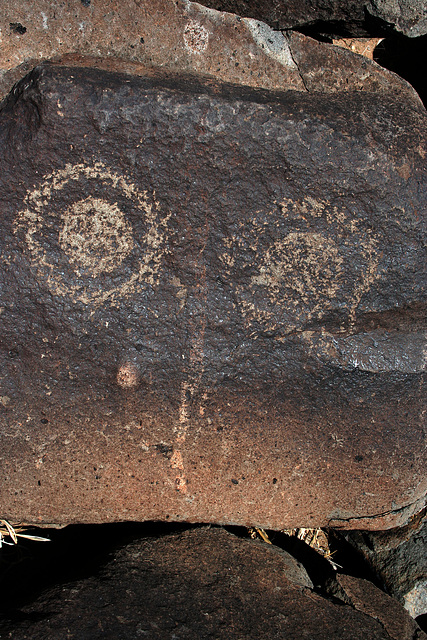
column 91, row 235
column 292, row 265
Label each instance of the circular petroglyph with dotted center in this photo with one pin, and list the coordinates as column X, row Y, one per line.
column 92, row 236
column 291, row 266
column 95, row 235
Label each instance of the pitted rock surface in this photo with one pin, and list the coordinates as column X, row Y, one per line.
column 406, row 16
column 207, row 584
column 212, row 303
column 180, row 37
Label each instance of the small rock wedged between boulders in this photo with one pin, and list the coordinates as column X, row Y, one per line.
column 399, row 558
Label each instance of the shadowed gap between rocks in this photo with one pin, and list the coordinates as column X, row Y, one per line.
column 80, row 551
column 73, row 553
column 408, row 58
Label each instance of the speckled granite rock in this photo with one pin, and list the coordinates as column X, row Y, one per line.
column 406, row 16
column 207, row 584
column 212, row 302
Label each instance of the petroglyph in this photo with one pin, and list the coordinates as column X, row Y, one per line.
column 302, row 263
column 196, row 37
column 95, row 249
column 193, row 369
column 189, row 388
column 95, row 235
column 317, row 249
column 127, row 375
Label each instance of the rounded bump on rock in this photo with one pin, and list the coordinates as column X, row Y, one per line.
column 127, row 375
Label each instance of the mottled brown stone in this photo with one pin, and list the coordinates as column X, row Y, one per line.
column 366, row 598
column 179, row 37
column 207, row 583
column 212, row 303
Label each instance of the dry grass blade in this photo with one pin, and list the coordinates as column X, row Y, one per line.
column 14, row 532
column 35, row 538
column 317, row 539
column 257, row 531
column 10, row 531
column 263, row 535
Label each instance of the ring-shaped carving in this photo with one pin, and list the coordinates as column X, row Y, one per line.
column 92, row 236
column 289, row 266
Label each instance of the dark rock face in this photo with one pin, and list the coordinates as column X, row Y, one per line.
column 408, row 16
column 366, row 598
column 207, row 583
column 212, row 303
column 399, row 558
column 336, row 17
column 342, row 18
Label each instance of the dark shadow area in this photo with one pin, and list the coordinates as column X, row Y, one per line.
column 405, row 56
column 351, row 561
column 319, row 569
column 326, row 31
column 80, row 551
column 422, row 621
column 73, row 553
column 408, row 58
column 366, row 26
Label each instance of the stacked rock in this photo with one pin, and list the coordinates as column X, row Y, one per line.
column 212, row 273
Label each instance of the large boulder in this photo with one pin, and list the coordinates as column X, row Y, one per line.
column 212, row 302
column 206, row 583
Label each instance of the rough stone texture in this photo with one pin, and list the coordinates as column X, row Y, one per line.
column 363, row 46
column 178, row 36
column 399, row 558
column 212, row 303
column 366, row 598
column 406, row 16
column 330, row 68
column 337, row 17
column 207, row 583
